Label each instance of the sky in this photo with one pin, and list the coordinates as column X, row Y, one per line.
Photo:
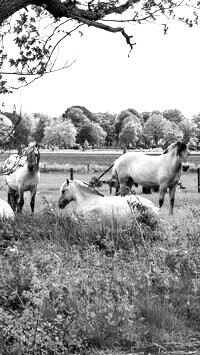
column 161, row 73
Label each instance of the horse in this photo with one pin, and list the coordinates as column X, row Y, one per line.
column 90, row 202
column 163, row 171
column 6, row 211
column 22, row 174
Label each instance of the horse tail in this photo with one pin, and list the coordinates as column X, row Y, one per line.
column 116, row 179
column 114, row 172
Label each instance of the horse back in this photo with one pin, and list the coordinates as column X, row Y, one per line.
column 142, row 168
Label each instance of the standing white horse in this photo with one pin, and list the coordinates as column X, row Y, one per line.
column 150, row 171
column 90, row 203
column 22, row 174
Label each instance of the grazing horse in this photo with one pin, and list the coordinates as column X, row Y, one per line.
column 90, row 202
column 150, row 171
column 22, row 174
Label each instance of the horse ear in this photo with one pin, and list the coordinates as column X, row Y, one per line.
column 181, row 146
column 67, row 181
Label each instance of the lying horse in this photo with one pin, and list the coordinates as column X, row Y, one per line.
column 90, row 202
column 22, row 174
column 6, row 211
column 150, row 171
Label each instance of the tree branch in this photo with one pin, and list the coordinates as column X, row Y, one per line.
column 88, row 17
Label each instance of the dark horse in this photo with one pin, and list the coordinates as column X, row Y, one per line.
column 24, row 177
column 149, row 171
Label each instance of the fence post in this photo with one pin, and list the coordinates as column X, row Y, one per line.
column 71, row 174
column 198, row 177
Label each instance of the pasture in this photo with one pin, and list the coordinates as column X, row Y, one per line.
column 50, row 184
column 102, row 290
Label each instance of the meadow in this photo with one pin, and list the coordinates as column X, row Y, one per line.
column 50, row 185
column 103, row 289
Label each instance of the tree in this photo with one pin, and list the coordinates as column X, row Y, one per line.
column 145, row 116
column 106, row 121
column 39, row 26
column 76, row 115
column 196, row 120
column 6, row 127
column 172, row 133
column 154, row 128
column 130, row 134
column 41, row 122
column 173, row 116
column 92, row 133
column 124, row 117
column 188, row 128
column 21, row 132
column 60, row 133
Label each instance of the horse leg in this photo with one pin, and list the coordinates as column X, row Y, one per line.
column 117, row 187
column 32, row 203
column 21, row 201
column 9, row 199
column 172, row 191
column 162, row 193
column 13, row 198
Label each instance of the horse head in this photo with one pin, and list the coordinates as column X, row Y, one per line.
column 78, row 191
column 33, row 155
column 66, row 195
column 182, row 152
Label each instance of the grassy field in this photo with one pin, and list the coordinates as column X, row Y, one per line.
column 72, row 288
column 50, row 184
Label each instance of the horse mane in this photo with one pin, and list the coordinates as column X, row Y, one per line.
column 91, row 189
column 180, row 147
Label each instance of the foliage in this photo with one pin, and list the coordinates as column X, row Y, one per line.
column 122, row 116
column 78, row 125
column 76, row 115
column 154, row 127
column 196, row 120
column 60, row 133
column 41, row 122
column 66, row 289
column 37, row 31
column 92, row 133
column 188, row 128
column 22, row 132
column 106, row 121
column 174, row 116
column 130, row 134
column 172, row 133
column 6, row 128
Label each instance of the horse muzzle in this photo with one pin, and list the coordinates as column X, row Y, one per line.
column 62, row 203
column 185, row 167
column 31, row 167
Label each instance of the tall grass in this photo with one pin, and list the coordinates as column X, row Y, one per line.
column 70, row 287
